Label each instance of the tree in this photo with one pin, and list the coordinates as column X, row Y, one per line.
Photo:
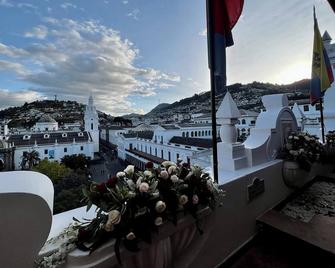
column 54, row 170
column 75, row 161
column 30, row 159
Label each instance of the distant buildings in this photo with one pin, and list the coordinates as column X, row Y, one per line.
column 50, row 141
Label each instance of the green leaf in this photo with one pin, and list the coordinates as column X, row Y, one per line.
column 89, row 205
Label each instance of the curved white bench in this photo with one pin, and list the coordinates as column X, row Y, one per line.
column 26, row 205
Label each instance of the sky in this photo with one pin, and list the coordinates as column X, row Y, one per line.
column 134, row 54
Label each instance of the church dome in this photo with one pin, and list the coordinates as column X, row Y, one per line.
column 46, row 119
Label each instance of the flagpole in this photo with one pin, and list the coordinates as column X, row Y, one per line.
column 322, row 121
column 212, row 84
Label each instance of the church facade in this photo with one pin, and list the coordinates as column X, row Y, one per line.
column 53, row 143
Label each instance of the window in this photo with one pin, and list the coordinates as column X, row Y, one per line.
column 203, row 133
column 199, row 133
column 252, row 122
column 188, row 160
column 46, row 151
column 243, row 122
column 177, row 157
column 155, row 151
column 169, row 153
column 46, row 136
column 26, row 137
column 187, row 134
column 162, row 154
column 141, row 148
column 64, row 135
column 91, row 126
column 161, row 139
column 130, row 146
column 195, row 134
column 46, row 129
column 192, row 134
column 150, row 150
column 183, row 134
column 80, row 134
column 206, row 133
column 65, row 150
column 306, row 108
column 81, row 148
column 145, row 148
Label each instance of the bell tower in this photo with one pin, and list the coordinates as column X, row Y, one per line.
column 92, row 122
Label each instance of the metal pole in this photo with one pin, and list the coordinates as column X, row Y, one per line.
column 212, row 81
column 322, row 122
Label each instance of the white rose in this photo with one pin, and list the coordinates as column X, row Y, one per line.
column 158, row 221
column 147, row 173
column 172, row 169
column 160, row 206
column 183, row 199
column 164, row 174
column 166, row 164
column 210, row 185
column 174, row 178
column 120, row 174
column 144, row 187
column 114, row 216
column 129, row 169
column 109, row 227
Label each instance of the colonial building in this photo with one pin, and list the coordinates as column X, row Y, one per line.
column 6, row 156
column 92, row 123
column 54, row 143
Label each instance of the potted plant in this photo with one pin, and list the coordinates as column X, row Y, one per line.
column 300, row 152
column 329, row 152
column 132, row 205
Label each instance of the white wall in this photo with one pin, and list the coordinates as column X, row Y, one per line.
column 72, row 148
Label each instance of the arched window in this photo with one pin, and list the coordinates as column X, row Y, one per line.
column 243, row 121
column 187, row 134
column 206, row 133
column 91, row 126
column 183, row 134
column 195, row 134
column 192, row 134
column 199, row 133
column 203, row 133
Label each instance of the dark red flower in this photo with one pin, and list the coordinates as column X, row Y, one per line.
column 102, row 188
column 186, row 165
column 111, row 182
column 149, row 165
column 83, row 234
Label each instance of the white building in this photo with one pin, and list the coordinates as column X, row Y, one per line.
column 158, row 143
column 53, row 143
column 3, row 129
column 310, row 120
column 92, row 123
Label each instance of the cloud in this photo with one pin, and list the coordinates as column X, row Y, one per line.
column 203, row 32
column 67, row 5
column 125, row 2
column 134, row 14
column 39, row 32
column 83, row 57
column 16, row 98
column 6, row 3
column 12, row 67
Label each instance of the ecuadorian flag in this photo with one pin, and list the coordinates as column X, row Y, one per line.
column 322, row 74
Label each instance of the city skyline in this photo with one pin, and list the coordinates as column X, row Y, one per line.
column 131, row 54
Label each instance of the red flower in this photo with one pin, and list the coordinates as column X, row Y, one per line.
column 102, row 188
column 111, row 182
column 149, row 165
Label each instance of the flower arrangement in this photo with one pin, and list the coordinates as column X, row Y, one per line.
column 133, row 204
column 303, row 148
column 330, row 139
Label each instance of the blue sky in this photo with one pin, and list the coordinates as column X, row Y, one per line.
column 133, row 54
